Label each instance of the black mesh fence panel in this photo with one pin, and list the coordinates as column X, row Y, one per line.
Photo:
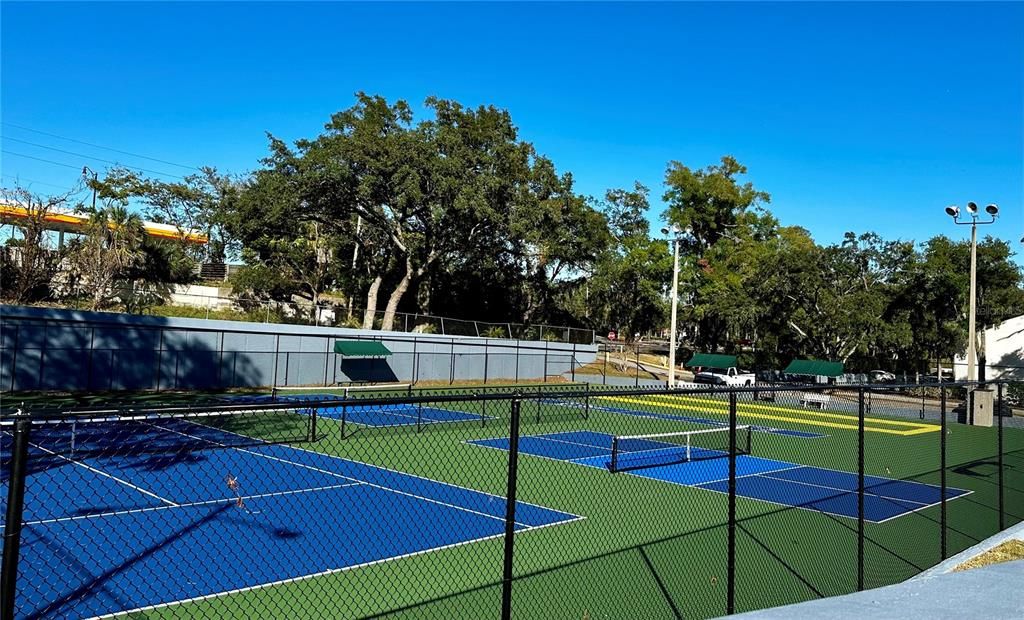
column 491, row 501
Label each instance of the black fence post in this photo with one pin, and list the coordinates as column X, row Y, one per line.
column 545, row 363
column 344, row 416
column 730, row 596
column 415, row 362
column 604, row 374
column 14, row 516
column 327, row 359
column 586, row 401
column 486, row 357
column 538, row 405
column 942, row 472
column 999, row 442
column 637, row 383
column 313, row 415
column 277, row 355
column 159, row 360
column 14, row 360
column 860, row 490
column 510, row 510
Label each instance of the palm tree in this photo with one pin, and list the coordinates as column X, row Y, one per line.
column 111, row 246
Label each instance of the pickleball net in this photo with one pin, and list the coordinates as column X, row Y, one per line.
column 632, row 452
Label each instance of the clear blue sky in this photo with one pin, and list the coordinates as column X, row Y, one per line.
column 852, row 116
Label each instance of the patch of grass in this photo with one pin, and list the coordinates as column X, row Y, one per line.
column 1006, row 552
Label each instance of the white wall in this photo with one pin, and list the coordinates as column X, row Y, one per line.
column 1004, row 352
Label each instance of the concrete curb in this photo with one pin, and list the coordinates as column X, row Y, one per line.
column 1012, row 533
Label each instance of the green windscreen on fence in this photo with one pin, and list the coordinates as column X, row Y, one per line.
column 711, row 360
column 361, row 348
column 814, row 367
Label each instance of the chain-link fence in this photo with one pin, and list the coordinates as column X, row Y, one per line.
column 567, row 502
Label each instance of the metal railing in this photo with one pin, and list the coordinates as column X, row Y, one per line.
column 497, row 503
column 168, row 302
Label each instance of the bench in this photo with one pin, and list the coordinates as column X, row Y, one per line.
column 815, row 399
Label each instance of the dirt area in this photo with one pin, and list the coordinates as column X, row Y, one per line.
column 1006, row 552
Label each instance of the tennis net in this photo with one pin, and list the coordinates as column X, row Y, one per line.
column 341, row 392
column 630, row 452
column 166, row 433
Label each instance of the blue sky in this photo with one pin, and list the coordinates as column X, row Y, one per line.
column 852, row 116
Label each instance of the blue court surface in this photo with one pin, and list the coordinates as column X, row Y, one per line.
column 114, row 533
column 788, row 484
column 683, row 418
column 372, row 415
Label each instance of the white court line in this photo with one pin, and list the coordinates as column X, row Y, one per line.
column 363, row 482
column 701, row 486
column 332, row 571
column 401, row 473
column 845, row 491
column 106, row 475
column 421, row 420
column 190, row 505
column 894, row 499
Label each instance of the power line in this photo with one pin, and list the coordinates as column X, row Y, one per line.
column 106, row 148
column 19, row 178
column 48, row 161
column 92, row 157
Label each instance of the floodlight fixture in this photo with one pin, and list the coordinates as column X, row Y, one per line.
column 992, row 209
column 953, row 211
column 972, row 207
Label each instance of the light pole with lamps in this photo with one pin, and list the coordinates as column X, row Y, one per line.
column 954, row 212
column 674, row 240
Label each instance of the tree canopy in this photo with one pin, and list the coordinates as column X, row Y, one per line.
column 453, row 213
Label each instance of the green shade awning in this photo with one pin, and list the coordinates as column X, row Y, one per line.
column 712, row 360
column 361, row 348
column 814, row 367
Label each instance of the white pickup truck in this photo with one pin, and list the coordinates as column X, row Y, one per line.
column 724, row 376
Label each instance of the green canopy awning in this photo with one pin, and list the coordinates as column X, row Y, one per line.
column 361, row 348
column 814, row 367
column 711, row 360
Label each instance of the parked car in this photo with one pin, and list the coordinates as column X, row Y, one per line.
column 881, row 376
column 724, row 376
column 1002, row 408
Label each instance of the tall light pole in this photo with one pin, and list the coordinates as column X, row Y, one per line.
column 954, row 212
column 674, row 240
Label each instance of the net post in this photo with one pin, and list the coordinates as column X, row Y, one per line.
column 510, row 509
column 730, row 597
column 999, row 444
column 419, row 417
column 483, row 410
column 942, row 472
column 14, row 516
column 860, row 490
column 613, row 465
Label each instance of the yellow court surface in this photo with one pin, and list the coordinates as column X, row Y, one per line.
column 810, row 417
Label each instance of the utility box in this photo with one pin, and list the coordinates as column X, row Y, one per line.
column 982, row 403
